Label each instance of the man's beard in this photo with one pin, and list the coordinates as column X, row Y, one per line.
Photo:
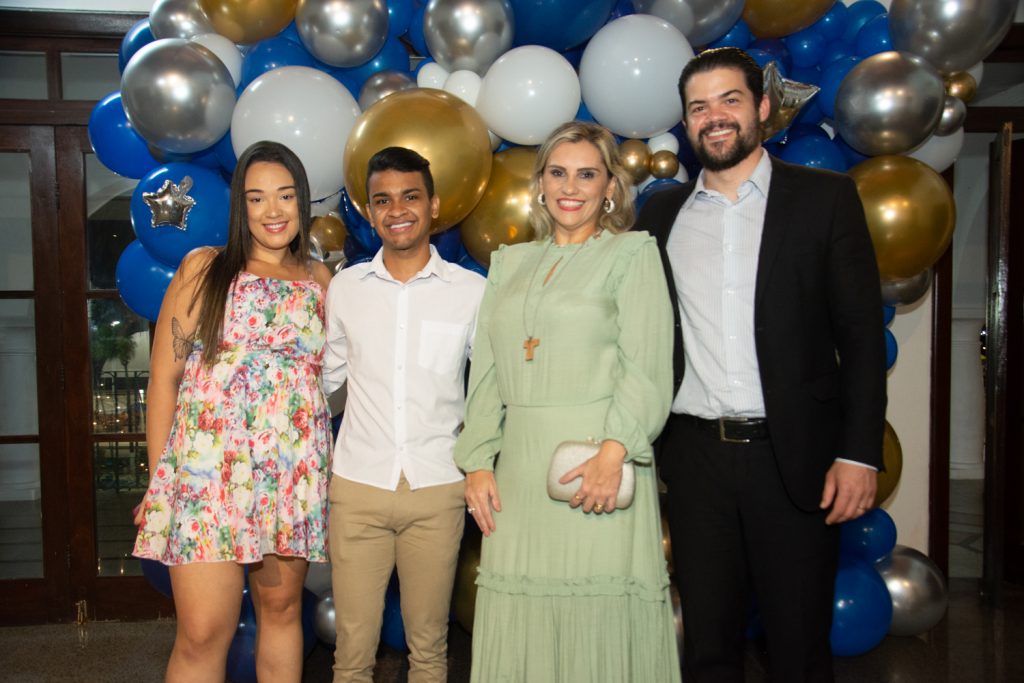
column 743, row 144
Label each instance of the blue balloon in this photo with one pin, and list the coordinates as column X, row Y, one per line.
column 623, row 8
column 815, row 151
column 574, row 56
column 366, row 239
column 415, row 32
column 831, row 78
column 764, row 58
column 776, row 47
column 832, row 25
column 241, row 663
column 291, row 32
column 309, row 601
column 205, row 224
column 888, row 313
column 225, row 152
column 583, row 114
column 891, row 349
column 558, row 24
column 868, row 538
column 469, row 263
column 874, row 37
column 809, row 114
column 805, row 47
column 836, row 51
column 857, row 15
column 738, row 36
column 142, row 282
column 861, row 609
column 448, row 244
column 156, row 573
column 853, row 157
column 400, row 14
column 802, row 130
column 392, row 629
column 137, row 36
column 392, row 55
column 805, row 74
column 653, row 187
column 273, row 53
column 117, row 145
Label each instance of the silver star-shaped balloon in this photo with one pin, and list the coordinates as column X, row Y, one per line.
column 170, row 204
column 786, row 97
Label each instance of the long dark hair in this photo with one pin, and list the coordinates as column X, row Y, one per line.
column 212, row 293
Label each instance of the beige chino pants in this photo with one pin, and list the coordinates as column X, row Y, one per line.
column 372, row 531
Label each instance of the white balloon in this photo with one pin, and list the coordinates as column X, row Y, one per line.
column 225, row 51
column 681, row 175
column 465, row 85
column 664, row 141
column 978, row 70
column 629, row 75
column 528, row 93
column 939, row 151
column 432, row 75
column 305, row 109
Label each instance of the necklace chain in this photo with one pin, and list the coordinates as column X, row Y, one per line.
column 532, row 342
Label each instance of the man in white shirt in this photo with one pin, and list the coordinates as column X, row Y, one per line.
column 777, row 424
column 400, row 330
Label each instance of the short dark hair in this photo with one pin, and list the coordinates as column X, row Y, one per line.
column 402, row 160
column 723, row 58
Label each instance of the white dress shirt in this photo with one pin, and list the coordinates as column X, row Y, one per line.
column 402, row 347
column 713, row 249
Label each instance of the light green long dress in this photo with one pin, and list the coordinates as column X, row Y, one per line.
column 565, row 596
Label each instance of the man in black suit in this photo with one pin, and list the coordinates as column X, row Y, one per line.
column 776, row 432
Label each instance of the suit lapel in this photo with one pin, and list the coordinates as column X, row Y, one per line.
column 781, row 207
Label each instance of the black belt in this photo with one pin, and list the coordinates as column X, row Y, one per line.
column 730, row 429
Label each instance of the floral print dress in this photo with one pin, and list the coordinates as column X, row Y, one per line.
column 246, row 466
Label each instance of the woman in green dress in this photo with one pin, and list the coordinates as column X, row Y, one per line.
column 574, row 342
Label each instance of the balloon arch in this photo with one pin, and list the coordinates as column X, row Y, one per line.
column 875, row 89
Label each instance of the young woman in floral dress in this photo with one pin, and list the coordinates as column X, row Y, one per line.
column 238, row 429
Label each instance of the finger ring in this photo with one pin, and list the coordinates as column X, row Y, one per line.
column 599, row 507
column 577, row 497
column 470, row 510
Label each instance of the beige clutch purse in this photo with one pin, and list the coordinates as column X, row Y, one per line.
column 569, row 455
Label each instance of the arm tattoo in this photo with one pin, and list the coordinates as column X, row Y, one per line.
column 182, row 344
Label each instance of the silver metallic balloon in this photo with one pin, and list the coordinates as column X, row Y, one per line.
column 701, row 21
column 178, row 19
column 952, row 35
column 918, row 590
column 342, row 32
column 889, row 103
column 178, row 95
column 954, row 111
column 468, row 34
column 324, row 619
column 906, row 291
column 381, row 84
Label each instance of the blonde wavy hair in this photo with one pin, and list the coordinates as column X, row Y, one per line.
column 618, row 219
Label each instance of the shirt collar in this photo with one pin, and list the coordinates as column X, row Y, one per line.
column 435, row 266
column 760, row 178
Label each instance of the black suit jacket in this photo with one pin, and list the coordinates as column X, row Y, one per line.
column 818, row 326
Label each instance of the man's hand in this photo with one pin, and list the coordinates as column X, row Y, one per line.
column 849, row 491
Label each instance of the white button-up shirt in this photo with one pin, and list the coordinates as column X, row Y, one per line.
column 713, row 249
column 402, row 347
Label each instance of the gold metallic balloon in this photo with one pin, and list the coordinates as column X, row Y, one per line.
column 329, row 232
column 441, row 127
column 502, row 216
column 892, row 460
column 777, row 18
column 910, row 212
column 664, row 164
column 249, row 21
column 636, row 156
column 961, row 85
column 464, row 590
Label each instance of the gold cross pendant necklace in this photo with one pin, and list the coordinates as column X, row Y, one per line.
column 532, row 342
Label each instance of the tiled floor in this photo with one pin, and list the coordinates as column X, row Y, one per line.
column 975, row 643
column 966, row 525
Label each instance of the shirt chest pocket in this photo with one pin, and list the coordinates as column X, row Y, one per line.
column 442, row 345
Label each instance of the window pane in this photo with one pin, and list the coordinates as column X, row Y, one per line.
column 16, row 221
column 21, row 515
column 119, row 350
column 89, row 76
column 122, row 474
column 18, row 403
column 108, row 227
column 23, row 75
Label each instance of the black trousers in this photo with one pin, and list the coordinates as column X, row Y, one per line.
column 738, row 541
